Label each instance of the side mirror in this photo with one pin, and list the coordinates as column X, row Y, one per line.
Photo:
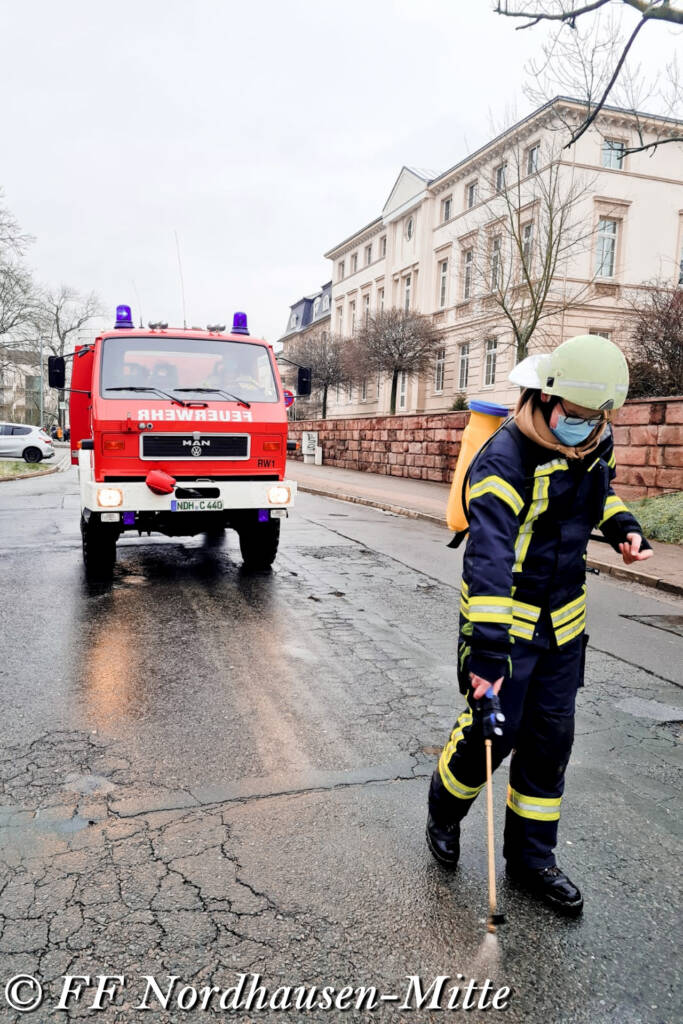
column 56, row 372
column 303, row 386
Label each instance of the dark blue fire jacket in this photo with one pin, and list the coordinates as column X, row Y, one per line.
column 531, row 515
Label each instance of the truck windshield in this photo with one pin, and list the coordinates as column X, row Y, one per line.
column 241, row 369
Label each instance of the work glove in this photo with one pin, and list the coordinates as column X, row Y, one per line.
column 492, row 718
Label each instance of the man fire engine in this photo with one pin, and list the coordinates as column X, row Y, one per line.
column 178, row 432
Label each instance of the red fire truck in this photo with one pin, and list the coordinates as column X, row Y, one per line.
column 178, row 432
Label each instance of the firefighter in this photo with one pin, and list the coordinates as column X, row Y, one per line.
column 537, row 490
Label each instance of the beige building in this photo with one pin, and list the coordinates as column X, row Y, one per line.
column 450, row 245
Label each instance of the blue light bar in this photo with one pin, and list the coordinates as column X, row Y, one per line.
column 124, row 318
column 239, row 324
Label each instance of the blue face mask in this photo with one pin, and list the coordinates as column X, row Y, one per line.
column 572, row 434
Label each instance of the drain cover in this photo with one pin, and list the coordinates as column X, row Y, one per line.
column 670, row 623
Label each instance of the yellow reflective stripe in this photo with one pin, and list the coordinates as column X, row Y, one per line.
column 563, row 636
column 455, row 788
column 539, row 504
column 501, row 489
column 612, row 462
column 593, row 463
column 551, row 467
column 569, row 610
column 536, row 808
column 522, row 630
column 613, row 505
column 464, row 588
column 526, row 611
column 489, row 608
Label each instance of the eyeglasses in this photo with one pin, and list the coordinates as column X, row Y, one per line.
column 573, row 420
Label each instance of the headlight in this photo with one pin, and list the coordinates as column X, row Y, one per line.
column 279, row 495
column 109, row 497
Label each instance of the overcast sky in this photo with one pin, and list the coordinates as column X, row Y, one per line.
column 261, row 132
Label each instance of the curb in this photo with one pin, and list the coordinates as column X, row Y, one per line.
column 56, row 468
column 605, row 568
column 29, row 476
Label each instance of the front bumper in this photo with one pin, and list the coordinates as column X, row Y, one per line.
column 234, row 494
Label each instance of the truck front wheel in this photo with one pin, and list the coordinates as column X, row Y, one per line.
column 99, row 548
column 259, row 543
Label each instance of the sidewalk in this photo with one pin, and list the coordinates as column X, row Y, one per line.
column 421, row 499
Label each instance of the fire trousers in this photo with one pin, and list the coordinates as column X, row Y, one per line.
column 538, row 702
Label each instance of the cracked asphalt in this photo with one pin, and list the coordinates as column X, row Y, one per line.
column 207, row 773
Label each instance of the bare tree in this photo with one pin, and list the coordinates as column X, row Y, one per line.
column 63, row 313
column 18, row 302
column 656, row 342
column 325, row 354
column 391, row 342
column 534, row 227
column 589, row 55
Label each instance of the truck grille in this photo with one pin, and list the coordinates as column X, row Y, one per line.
column 187, row 446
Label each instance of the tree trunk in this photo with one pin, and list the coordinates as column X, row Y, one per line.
column 325, row 401
column 394, row 383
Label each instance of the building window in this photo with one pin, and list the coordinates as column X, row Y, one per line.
column 467, row 275
column 340, row 270
column 410, row 228
column 613, row 154
column 495, row 262
column 352, row 314
column 500, row 176
column 471, row 195
column 532, row 159
column 527, row 243
column 606, row 250
column 326, row 303
column 383, row 246
column 443, row 283
column 349, row 392
column 316, row 307
column 446, row 208
column 402, row 389
column 439, row 368
column 368, row 255
column 380, row 299
column 379, row 385
column 293, row 321
column 599, row 334
column 680, row 267
column 406, row 297
column 490, row 364
column 463, row 366
column 354, row 262
column 338, row 393
column 340, row 319
column 364, row 390
column 366, row 309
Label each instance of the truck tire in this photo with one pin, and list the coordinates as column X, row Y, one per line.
column 258, row 543
column 99, row 549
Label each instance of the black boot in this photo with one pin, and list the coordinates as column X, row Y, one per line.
column 550, row 885
column 444, row 842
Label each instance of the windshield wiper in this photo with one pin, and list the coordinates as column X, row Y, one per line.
column 157, row 391
column 218, row 391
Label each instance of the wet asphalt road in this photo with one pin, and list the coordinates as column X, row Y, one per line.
column 207, row 773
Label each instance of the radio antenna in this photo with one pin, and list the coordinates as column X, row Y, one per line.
column 135, row 289
column 182, row 283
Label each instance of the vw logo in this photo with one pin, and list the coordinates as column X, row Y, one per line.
column 196, row 450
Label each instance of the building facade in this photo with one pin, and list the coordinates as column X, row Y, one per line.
column 308, row 318
column 459, row 247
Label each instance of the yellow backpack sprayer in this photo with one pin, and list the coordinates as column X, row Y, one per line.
column 485, row 420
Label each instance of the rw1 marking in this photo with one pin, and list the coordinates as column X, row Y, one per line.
column 196, row 505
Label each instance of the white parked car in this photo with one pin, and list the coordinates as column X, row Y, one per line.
column 22, row 441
